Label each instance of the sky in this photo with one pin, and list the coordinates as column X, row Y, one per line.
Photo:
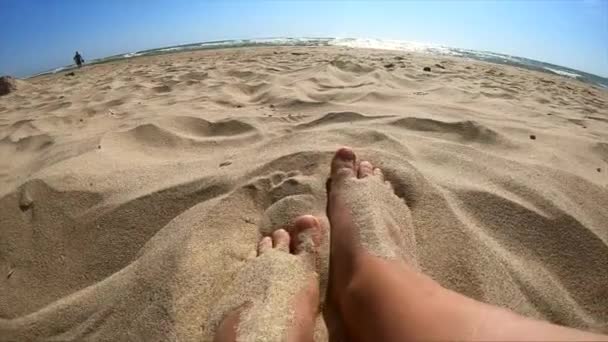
column 39, row 35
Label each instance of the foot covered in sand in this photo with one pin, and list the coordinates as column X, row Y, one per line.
column 367, row 220
column 286, row 255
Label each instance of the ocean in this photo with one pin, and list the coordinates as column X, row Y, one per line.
column 370, row 44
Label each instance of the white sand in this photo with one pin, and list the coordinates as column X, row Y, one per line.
column 133, row 193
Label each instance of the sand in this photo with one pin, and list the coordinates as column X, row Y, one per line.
column 133, row 193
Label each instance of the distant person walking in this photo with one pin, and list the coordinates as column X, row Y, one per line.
column 78, row 59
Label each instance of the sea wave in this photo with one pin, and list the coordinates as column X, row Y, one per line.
column 171, row 49
column 399, row 45
column 491, row 56
column 131, row 54
column 217, row 43
column 563, row 73
column 291, row 41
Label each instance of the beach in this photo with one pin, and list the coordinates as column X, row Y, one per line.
column 133, row 193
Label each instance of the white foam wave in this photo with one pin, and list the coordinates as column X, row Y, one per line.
column 386, row 44
column 60, row 69
column 171, row 49
column 288, row 41
column 563, row 73
column 214, row 44
column 131, row 54
column 492, row 55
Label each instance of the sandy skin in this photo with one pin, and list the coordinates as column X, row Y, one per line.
column 389, row 300
column 382, row 298
column 303, row 241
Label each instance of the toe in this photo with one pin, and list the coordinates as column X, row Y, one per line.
column 264, row 245
column 343, row 164
column 306, row 234
column 389, row 185
column 365, row 169
column 377, row 172
column 280, row 240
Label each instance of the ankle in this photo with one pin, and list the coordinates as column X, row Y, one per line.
column 349, row 279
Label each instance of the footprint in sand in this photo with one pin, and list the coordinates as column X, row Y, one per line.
column 283, row 196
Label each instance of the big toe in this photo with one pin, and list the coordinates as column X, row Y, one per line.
column 344, row 164
column 306, row 235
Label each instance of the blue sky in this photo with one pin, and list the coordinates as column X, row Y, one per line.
column 41, row 34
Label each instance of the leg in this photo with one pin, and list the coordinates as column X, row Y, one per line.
column 384, row 299
column 303, row 240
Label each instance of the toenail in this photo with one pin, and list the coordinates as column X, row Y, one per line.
column 307, row 222
column 345, row 153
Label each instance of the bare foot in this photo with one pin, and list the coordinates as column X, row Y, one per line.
column 374, row 283
column 301, row 244
column 367, row 219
